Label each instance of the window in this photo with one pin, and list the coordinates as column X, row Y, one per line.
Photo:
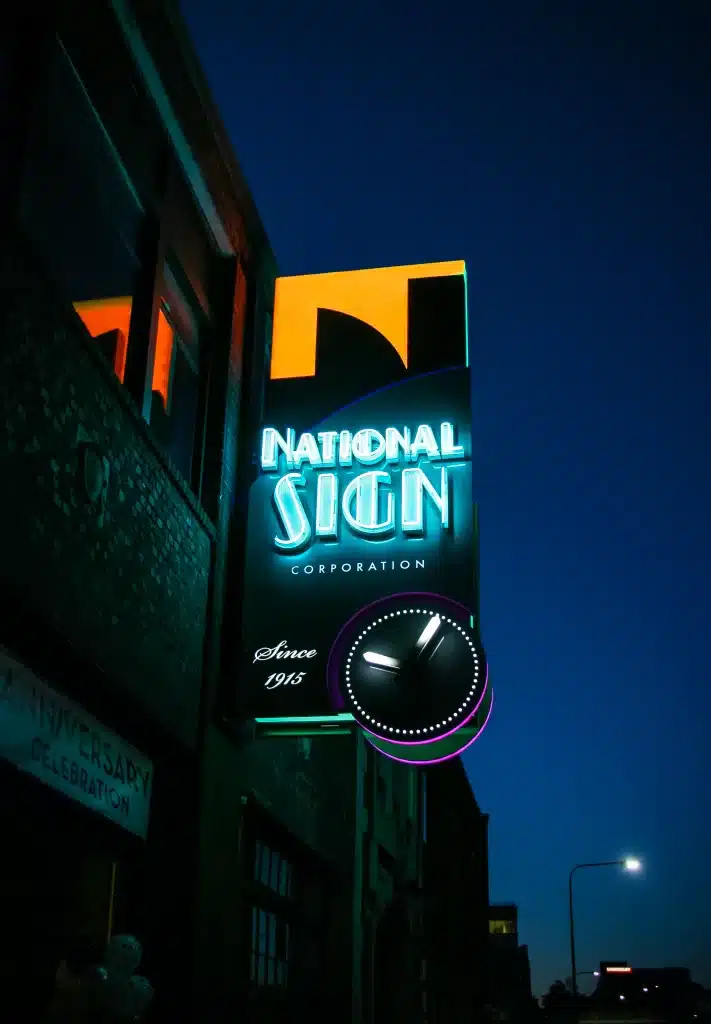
column 270, row 949
column 501, row 928
column 176, row 375
column 273, row 870
column 289, row 922
column 80, row 210
column 84, row 216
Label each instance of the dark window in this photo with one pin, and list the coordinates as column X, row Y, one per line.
column 289, row 923
column 118, row 96
column 270, row 949
column 181, row 363
column 176, row 375
column 80, row 210
column 187, row 237
column 273, row 870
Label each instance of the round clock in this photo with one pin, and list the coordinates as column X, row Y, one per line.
column 409, row 668
column 438, row 750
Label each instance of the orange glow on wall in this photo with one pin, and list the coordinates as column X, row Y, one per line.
column 377, row 297
column 103, row 315
column 163, row 358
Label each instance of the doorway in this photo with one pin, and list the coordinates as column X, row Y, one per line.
column 61, row 893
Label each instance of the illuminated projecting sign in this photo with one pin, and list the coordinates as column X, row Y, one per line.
column 367, row 504
column 361, row 517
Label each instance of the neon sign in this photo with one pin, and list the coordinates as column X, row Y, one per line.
column 366, row 503
column 360, row 550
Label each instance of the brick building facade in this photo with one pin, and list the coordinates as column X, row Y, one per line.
column 135, row 290
column 263, row 875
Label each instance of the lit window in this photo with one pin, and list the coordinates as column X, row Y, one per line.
column 501, row 928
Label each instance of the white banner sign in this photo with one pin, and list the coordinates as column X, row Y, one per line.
column 55, row 740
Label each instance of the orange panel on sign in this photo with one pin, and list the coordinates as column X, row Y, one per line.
column 377, row 297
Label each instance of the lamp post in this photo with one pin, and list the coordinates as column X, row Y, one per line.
column 629, row 864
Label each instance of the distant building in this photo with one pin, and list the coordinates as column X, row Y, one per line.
column 456, row 897
column 509, row 964
column 651, row 993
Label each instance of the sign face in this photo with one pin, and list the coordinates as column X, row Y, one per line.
column 52, row 738
column 361, row 518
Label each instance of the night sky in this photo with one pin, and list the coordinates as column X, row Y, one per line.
column 563, row 149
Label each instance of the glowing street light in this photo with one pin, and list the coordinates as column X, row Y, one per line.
column 632, row 864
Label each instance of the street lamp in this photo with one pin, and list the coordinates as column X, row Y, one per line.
column 569, row 981
column 629, row 864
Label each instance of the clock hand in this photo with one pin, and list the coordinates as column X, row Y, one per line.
column 424, row 643
column 381, row 661
column 428, row 634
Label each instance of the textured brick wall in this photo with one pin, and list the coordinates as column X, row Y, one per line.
column 310, row 789
column 128, row 589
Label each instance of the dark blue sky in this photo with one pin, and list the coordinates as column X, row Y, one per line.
column 563, row 149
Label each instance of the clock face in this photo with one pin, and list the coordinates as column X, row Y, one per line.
column 410, row 668
column 438, row 750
